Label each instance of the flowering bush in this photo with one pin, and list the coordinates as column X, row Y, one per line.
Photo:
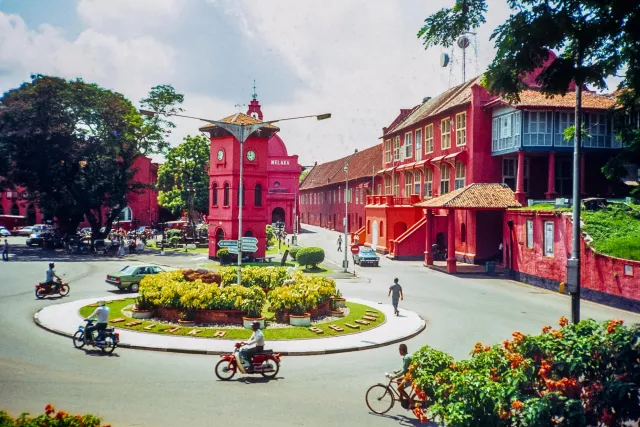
column 266, row 278
column 51, row 418
column 581, row 374
column 305, row 293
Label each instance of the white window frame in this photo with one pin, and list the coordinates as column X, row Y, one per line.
column 408, row 145
column 461, row 172
column 444, row 180
column 428, row 182
column 461, row 129
column 396, row 148
column 445, row 133
column 417, row 182
column 387, row 151
column 408, row 183
column 548, row 240
column 396, row 185
column 387, row 185
column 428, row 138
column 418, row 141
column 529, row 233
column 379, row 190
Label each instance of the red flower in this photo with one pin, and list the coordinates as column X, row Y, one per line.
column 546, row 329
column 516, row 404
column 49, row 409
column 61, row 414
column 563, row 321
column 613, row 324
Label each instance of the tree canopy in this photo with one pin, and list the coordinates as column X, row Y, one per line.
column 188, row 161
column 73, row 146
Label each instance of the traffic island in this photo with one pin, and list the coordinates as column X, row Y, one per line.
column 64, row 320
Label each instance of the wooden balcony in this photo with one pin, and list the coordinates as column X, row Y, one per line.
column 393, row 201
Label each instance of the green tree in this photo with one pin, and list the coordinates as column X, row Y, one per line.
column 73, row 146
column 187, row 161
column 304, row 174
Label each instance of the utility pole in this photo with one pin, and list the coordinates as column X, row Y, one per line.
column 573, row 264
column 345, row 263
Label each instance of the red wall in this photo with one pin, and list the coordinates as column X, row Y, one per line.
column 601, row 274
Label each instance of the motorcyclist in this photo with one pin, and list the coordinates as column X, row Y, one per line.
column 50, row 277
column 102, row 312
column 399, row 374
column 258, row 339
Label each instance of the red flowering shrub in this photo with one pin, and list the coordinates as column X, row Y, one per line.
column 586, row 374
column 50, row 418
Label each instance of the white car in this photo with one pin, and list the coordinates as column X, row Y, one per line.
column 4, row 232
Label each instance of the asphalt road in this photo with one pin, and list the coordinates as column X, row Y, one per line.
column 139, row 388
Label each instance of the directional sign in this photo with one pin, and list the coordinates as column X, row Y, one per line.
column 249, row 240
column 227, row 243
column 233, row 250
column 249, row 248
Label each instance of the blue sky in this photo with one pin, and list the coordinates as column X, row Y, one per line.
column 358, row 59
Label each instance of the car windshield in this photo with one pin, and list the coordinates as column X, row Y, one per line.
column 128, row 270
column 367, row 251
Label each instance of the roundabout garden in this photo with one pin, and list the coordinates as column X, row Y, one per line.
column 210, row 304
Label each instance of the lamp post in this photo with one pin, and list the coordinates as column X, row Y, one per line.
column 241, row 132
column 190, row 193
column 345, row 262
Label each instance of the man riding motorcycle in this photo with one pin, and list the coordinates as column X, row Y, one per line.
column 51, row 276
column 258, row 339
column 103, row 318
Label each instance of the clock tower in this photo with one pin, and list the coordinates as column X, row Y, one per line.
column 224, row 178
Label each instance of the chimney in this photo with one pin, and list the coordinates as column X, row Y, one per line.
column 425, row 99
column 384, row 130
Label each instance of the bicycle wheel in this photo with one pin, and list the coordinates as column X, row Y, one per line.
column 379, row 399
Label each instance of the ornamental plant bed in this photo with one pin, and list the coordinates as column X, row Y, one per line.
column 356, row 311
column 51, row 418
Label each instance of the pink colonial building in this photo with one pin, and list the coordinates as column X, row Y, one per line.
column 271, row 177
column 322, row 193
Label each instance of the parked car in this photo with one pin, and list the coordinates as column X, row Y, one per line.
column 4, row 232
column 24, row 231
column 36, row 239
column 130, row 276
column 366, row 256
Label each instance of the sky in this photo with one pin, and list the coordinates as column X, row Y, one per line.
column 360, row 60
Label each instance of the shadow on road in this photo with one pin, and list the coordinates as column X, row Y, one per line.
column 257, row 380
column 31, row 254
column 403, row 420
column 96, row 352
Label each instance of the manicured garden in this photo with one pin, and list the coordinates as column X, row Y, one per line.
column 51, row 418
column 273, row 296
column 615, row 230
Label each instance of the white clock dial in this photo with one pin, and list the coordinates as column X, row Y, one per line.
column 220, row 154
column 251, row 155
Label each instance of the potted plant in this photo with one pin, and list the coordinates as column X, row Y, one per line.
column 187, row 317
column 253, row 304
column 224, row 256
column 299, row 315
column 143, row 308
column 337, row 301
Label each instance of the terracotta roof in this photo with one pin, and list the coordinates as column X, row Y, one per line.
column 590, row 100
column 454, row 97
column 239, row 119
column 475, row 196
column 364, row 163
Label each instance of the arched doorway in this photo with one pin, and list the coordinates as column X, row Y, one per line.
column 31, row 215
column 15, row 210
column 219, row 237
column 398, row 229
column 374, row 235
column 248, row 233
column 441, row 241
column 277, row 215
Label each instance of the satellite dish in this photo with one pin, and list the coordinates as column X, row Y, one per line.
column 444, row 59
column 463, row 42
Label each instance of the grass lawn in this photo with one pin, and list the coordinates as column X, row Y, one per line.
column 273, row 250
column 296, row 332
column 615, row 230
column 543, row 207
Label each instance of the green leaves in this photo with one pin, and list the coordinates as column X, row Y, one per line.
column 445, row 26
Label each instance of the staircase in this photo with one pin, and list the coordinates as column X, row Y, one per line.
column 410, row 245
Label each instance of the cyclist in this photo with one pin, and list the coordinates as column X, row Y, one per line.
column 399, row 374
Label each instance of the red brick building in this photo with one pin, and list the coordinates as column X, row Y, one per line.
column 322, row 193
column 271, row 177
column 143, row 207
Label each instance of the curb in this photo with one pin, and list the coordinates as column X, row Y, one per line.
column 37, row 321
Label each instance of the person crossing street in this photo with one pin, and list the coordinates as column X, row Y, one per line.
column 396, row 290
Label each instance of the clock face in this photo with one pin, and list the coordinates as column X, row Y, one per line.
column 220, row 154
column 251, row 155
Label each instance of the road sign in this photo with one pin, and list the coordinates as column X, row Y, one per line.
column 227, row 243
column 233, row 250
column 249, row 240
column 249, row 248
column 355, row 249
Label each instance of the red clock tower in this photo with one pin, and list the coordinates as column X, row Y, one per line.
column 224, row 178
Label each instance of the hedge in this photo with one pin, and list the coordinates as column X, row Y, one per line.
column 293, row 252
column 302, row 295
column 310, row 256
column 50, row 418
column 266, row 278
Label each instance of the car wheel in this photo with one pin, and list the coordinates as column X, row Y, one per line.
column 134, row 287
column 376, row 264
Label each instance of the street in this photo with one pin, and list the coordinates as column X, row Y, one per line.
column 161, row 389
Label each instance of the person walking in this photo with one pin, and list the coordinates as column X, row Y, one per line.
column 5, row 250
column 396, row 290
column 340, row 243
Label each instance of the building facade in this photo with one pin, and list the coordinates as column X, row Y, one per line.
column 323, row 196
column 270, row 180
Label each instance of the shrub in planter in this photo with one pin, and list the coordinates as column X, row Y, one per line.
column 580, row 374
column 310, row 257
column 50, row 418
column 293, row 252
column 223, row 256
column 174, row 241
column 271, row 235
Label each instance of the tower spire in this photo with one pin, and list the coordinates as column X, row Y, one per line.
column 254, row 106
column 254, row 95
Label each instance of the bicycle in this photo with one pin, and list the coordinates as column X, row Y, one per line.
column 384, row 397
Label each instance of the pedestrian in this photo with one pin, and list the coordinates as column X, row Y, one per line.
column 5, row 250
column 121, row 249
column 340, row 243
column 396, row 289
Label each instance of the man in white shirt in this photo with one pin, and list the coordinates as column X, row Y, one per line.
column 258, row 339
column 50, row 277
column 102, row 312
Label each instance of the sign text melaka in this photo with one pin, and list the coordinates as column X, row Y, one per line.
column 276, row 162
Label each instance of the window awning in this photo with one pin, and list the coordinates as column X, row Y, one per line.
column 437, row 159
column 420, row 163
column 405, row 166
column 457, row 155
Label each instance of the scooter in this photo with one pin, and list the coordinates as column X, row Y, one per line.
column 43, row 289
column 107, row 340
column 265, row 363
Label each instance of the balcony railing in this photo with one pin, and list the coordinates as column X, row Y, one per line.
column 393, row 201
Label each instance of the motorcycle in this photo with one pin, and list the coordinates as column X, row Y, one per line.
column 44, row 289
column 107, row 340
column 265, row 363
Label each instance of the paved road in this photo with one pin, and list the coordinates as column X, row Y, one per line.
column 135, row 388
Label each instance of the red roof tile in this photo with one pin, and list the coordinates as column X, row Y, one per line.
column 239, row 119
column 364, row 163
column 590, row 100
column 475, row 196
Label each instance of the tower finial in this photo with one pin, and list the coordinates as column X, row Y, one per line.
column 254, row 95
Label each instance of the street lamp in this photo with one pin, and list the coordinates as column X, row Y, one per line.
column 345, row 263
column 190, row 193
column 241, row 132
